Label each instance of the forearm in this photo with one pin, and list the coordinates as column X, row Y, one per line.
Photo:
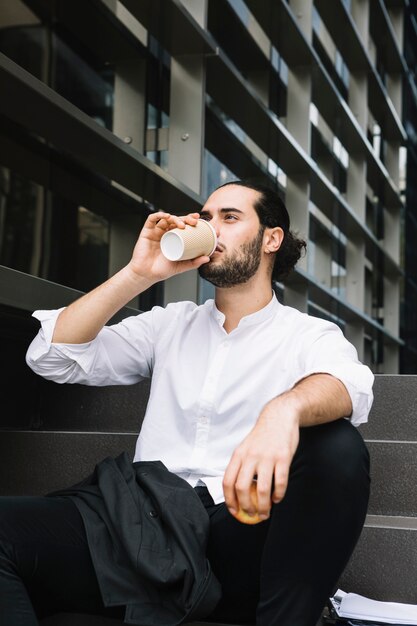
column 82, row 320
column 316, row 399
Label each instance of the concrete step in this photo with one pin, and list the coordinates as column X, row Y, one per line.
column 394, row 478
column 78, row 619
column 384, row 563
column 81, row 426
column 43, row 460
column 46, row 405
column 393, row 416
column 35, row 463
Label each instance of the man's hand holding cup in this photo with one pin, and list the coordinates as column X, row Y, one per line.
column 148, row 259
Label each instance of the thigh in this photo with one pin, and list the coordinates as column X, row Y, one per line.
column 325, row 505
column 47, row 545
column 336, row 453
column 302, row 549
column 313, row 531
column 235, row 553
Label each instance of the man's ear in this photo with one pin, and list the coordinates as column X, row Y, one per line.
column 273, row 239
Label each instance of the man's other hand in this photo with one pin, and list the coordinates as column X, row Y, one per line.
column 267, row 451
column 265, row 454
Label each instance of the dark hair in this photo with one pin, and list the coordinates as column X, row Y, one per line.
column 272, row 212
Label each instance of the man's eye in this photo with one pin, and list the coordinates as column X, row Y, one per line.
column 233, row 217
column 205, row 217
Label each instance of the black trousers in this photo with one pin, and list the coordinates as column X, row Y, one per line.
column 277, row 573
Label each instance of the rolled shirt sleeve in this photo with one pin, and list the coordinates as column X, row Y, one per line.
column 119, row 355
column 327, row 351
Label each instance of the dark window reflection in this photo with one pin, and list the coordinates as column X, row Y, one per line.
column 93, row 249
column 26, row 46
column 158, row 97
column 74, row 74
column 215, row 174
column 49, row 236
column 18, row 209
column 88, row 87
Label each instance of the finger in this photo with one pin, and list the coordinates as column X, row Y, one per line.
column 264, row 486
column 181, row 220
column 243, row 486
column 165, row 220
column 191, row 218
column 170, row 223
column 154, row 218
column 280, row 480
column 192, row 264
column 200, row 260
column 163, row 224
column 174, row 221
column 158, row 223
column 229, row 481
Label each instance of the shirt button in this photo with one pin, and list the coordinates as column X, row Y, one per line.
column 153, row 513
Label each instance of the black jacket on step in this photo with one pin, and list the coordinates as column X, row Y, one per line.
column 147, row 532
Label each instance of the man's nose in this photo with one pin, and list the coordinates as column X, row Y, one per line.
column 216, row 225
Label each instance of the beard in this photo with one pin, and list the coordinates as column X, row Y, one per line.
column 236, row 268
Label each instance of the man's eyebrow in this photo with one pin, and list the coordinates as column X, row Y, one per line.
column 224, row 210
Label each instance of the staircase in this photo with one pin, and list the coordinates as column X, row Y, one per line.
column 384, row 564
column 53, row 435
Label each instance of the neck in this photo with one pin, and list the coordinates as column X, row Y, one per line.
column 241, row 300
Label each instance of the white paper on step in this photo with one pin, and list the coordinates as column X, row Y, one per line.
column 354, row 606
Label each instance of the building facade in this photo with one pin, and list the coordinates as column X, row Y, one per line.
column 408, row 363
column 119, row 108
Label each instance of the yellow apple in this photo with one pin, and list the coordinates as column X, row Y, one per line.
column 243, row 516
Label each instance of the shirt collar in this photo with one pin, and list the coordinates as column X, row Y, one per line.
column 254, row 318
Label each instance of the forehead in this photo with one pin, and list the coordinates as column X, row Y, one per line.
column 233, row 196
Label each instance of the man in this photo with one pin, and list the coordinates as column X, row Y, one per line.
column 243, row 389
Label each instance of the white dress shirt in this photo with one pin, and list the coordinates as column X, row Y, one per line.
column 208, row 386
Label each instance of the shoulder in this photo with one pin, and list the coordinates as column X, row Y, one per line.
column 306, row 323
column 308, row 331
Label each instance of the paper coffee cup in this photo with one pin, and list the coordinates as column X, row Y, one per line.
column 182, row 244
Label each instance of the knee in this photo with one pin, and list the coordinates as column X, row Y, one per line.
column 7, row 556
column 6, row 512
column 6, row 533
column 336, row 453
column 11, row 520
column 6, row 526
column 12, row 534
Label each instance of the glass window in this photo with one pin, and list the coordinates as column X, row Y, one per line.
column 241, row 10
column 215, row 174
column 89, row 87
column 19, row 199
column 26, row 46
column 77, row 76
column 158, row 98
column 50, row 236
